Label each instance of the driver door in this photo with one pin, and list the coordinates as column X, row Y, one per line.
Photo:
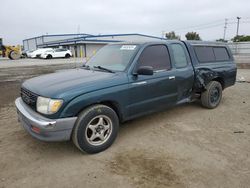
column 149, row 93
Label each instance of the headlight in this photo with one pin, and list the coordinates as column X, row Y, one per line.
column 47, row 105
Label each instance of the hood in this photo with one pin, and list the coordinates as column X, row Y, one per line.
column 71, row 83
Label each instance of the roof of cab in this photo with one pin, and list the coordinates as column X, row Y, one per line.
column 206, row 43
column 188, row 42
column 146, row 42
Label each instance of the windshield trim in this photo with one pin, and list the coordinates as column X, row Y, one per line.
column 133, row 57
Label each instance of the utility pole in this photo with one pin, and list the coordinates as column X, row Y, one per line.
column 238, row 25
column 225, row 29
column 237, row 34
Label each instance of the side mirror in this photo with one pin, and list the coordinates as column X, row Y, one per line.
column 145, row 70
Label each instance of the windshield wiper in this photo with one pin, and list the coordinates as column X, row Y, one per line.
column 103, row 68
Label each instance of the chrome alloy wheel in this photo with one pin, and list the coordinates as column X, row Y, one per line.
column 98, row 130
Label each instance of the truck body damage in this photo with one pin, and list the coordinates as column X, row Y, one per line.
column 202, row 77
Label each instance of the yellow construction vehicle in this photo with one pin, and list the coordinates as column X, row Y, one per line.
column 12, row 52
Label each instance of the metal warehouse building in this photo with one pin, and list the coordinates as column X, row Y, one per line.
column 82, row 45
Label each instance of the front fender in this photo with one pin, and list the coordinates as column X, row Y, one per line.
column 117, row 95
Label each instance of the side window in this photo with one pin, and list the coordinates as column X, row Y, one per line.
column 60, row 50
column 156, row 56
column 180, row 57
column 204, row 54
column 221, row 54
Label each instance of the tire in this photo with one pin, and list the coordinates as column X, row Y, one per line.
column 13, row 55
column 67, row 56
column 212, row 96
column 96, row 129
column 49, row 56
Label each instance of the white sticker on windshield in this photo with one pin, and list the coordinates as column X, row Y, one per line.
column 128, row 47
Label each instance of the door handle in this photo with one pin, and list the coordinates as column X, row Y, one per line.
column 139, row 83
column 171, row 77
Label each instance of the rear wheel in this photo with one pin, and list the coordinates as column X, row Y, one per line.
column 67, row 55
column 212, row 96
column 96, row 129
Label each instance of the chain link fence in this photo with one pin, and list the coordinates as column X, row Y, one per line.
column 240, row 48
column 241, row 52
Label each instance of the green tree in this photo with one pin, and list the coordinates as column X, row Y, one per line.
column 192, row 36
column 172, row 36
column 221, row 40
column 241, row 38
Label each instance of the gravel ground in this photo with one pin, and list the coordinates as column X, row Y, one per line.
column 186, row 146
column 7, row 63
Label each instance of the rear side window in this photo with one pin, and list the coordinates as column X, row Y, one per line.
column 60, row 50
column 180, row 57
column 221, row 54
column 204, row 54
column 156, row 56
column 209, row 54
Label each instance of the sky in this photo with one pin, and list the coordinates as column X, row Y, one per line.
column 21, row 19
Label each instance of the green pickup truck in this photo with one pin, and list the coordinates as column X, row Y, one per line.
column 121, row 82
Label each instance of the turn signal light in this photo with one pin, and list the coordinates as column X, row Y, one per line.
column 35, row 129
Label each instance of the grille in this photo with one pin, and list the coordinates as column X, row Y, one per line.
column 29, row 97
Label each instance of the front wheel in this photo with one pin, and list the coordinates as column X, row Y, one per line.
column 49, row 56
column 96, row 129
column 212, row 96
column 13, row 55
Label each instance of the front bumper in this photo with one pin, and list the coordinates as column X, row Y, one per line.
column 49, row 129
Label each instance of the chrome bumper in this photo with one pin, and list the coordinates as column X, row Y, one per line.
column 49, row 129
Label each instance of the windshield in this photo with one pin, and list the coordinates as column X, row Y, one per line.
column 115, row 57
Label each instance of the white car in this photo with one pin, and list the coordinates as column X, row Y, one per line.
column 38, row 52
column 56, row 53
column 27, row 53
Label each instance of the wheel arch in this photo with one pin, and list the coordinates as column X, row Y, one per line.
column 112, row 104
column 220, row 80
column 203, row 76
column 49, row 55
